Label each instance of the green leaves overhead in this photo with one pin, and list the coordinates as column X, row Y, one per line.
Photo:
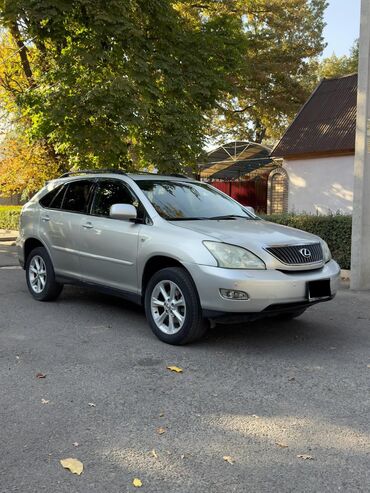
column 142, row 82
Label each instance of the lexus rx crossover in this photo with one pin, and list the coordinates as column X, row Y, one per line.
column 186, row 251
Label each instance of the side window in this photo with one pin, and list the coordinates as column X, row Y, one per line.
column 76, row 198
column 111, row 192
column 53, row 199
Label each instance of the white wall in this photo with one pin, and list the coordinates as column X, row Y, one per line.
column 320, row 185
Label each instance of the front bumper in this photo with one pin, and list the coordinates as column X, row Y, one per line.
column 264, row 287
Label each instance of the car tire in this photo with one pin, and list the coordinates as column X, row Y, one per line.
column 176, row 319
column 291, row 315
column 40, row 276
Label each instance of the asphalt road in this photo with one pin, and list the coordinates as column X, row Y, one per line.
column 262, row 394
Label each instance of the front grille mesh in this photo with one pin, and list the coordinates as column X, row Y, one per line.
column 291, row 255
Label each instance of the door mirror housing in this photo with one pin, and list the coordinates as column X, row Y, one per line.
column 250, row 209
column 125, row 212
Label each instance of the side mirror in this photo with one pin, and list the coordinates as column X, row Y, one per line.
column 250, row 209
column 125, row 212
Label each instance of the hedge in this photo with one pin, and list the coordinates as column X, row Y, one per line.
column 334, row 229
column 9, row 216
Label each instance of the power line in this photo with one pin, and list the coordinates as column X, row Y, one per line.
column 16, row 52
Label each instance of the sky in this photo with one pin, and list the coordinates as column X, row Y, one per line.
column 343, row 26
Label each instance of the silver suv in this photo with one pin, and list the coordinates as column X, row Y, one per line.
column 189, row 253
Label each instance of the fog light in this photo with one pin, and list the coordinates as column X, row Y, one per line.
column 233, row 294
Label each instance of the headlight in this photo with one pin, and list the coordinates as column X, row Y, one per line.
column 233, row 257
column 326, row 251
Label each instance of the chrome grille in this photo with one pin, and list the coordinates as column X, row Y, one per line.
column 294, row 255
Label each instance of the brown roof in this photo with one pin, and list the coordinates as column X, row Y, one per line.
column 326, row 123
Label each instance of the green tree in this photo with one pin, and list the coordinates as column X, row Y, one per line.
column 142, row 82
column 335, row 66
column 283, row 36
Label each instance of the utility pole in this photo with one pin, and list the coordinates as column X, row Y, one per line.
column 360, row 259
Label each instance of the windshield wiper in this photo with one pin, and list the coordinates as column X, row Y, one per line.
column 230, row 216
column 212, row 218
column 186, row 218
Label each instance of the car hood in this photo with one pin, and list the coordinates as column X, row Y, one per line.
column 251, row 234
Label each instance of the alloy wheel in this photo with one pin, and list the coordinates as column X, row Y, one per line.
column 168, row 307
column 37, row 274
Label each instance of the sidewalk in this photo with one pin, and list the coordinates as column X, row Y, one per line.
column 8, row 235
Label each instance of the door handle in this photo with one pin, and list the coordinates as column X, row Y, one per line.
column 88, row 225
column 45, row 218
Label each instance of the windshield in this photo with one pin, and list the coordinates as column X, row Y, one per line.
column 190, row 200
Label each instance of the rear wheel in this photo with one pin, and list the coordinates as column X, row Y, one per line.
column 40, row 276
column 172, row 307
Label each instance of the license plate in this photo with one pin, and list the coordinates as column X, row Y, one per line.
column 318, row 290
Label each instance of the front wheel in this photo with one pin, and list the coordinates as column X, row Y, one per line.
column 172, row 307
column 40, row 276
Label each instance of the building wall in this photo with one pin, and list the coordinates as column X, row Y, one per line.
column 320, row 185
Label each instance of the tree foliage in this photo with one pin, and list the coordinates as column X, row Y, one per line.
column 141, row 82
column 336, row 66
column 24, row 166
column 283, row 35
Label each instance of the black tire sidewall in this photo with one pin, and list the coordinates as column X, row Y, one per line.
column 52, row 288
column 193, row 327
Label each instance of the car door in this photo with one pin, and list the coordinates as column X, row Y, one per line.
column 60, row 225
column 109, row 246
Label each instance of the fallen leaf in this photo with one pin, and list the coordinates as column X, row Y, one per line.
column 44, row 401
column 73, row 465
column 368, row 366
column 91, row 404
column 161, row 430
column 154, row 454
column 282, row 445
column 182, row 456
column 255, row 416
column 228, row 459
column 161, row 415
column 137, row 483
column 75, row 444
column 291, row 379
column 305, row 457
column 17, row 356
column 40, row 375
column 175, row 369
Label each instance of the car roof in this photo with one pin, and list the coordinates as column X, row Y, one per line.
column 134, row 176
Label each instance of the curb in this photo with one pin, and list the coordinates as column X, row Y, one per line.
column 8, row 235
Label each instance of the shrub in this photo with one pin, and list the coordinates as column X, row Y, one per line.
column 334, row 229
column 9, row 216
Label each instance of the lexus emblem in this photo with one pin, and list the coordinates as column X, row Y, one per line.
column 305, row 252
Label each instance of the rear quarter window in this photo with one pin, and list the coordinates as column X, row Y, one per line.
column 53, row 199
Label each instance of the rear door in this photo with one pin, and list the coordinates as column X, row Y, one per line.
column 60, row 225
column 109, row 246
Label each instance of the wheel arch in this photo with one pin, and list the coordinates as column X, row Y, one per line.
column 29, row 245
column 156, row 263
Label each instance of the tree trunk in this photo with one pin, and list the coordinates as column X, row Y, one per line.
column 23, row 52
column 259, row 132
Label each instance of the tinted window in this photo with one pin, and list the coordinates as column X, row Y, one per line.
column 76, row 198
column 54, row 198
column 189, row 200
column 111, row 192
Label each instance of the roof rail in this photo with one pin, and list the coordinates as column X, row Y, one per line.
column 115, row 171
column 93, row 172
column 178, row 175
